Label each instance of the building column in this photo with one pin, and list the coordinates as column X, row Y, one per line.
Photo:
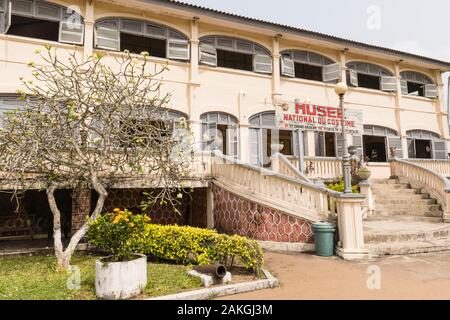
column 398, row 106
column 343, row 62
column 193, row 71
column 89, row 23
column 276, row 90
column 81, row 208
column 443, row 126
column 210, row 207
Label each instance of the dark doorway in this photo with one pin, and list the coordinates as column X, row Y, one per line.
column 375, row 148
column 34, row 28
column 309, row 72
column 423, row 149
column 368, row 81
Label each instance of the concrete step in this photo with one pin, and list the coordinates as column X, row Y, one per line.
column 410, row 197
column 416, row 207
column 390, row 186
column 396, row 192
column 407, row 201
column 408, row 247
column 396, row 213
column 407, row 218
column 400, row 230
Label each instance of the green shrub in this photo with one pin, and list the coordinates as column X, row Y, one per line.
column 181, row 245
column 339, row 187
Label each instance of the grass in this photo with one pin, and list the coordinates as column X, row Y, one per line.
column 36, row 278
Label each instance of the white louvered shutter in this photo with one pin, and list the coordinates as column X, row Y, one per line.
column 353, row 77
column 439, row 149
column 232, row 141
column 254, row 147
column 24, row 7
column 48, row 11
column 71, row 28
column 358, row 142
column 331, row 72
column 411, row 149
column 404, row 86
column 389, row 84
column 5, row 16
column 208, row 54
column 395, row 142
column 107, row 35
column 287, row 66
column 177, row 47
column 339, row 143
column 431, row 91
column 262, row 63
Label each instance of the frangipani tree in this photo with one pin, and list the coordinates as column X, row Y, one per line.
column 89, row 124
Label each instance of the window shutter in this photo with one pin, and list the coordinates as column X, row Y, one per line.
column 212, row 137
column 155, row 31
column 287, row 66
column 395, row 142
column 404, row 86
column 71, row 28
column 48, row 11
column 411, row 149
column 320, row 144
column 331, row 72
column 389, row 84
column 5, row 16
column 262, row 63
column 358, row 142
column 439, row 149
column 177, row 49
column 254, row 147
column 244, row 46
column 25, row 7
column 225, row 43
column 132, row 26
column 431, row 91
column 353, row 77
column 107, row 35
column 208, row 54
column 232, row 141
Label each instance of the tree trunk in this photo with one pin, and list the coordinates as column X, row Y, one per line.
column 63, row 257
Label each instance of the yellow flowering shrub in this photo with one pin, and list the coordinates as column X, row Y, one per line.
column 123, row 232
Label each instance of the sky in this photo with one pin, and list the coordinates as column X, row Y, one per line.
column 414, row 26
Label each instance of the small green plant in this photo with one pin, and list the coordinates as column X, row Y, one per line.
column 116, row 232
column 339, row 187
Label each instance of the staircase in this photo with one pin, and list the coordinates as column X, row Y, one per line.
column 405, row 221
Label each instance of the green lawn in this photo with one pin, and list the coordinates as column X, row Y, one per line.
column 35, row 278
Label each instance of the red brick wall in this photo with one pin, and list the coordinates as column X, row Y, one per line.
column 236, row 215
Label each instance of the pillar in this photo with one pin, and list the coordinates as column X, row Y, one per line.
column 366, row 190
column 276, row 90
column 89, row 22
column 350, row 225
column 210, row 207
column 81, row 208
column 398, row 106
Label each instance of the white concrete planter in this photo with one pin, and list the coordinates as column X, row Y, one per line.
column 120, row 280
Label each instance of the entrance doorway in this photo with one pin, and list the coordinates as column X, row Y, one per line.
column 375, row 148
column 423, row 149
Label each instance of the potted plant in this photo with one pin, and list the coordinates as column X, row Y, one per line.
column 123, row 274
column 364, row 172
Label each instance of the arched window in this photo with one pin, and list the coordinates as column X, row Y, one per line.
column 378, row 144
column 263, row 133
column 221, row 51
column 137, row 36
column 371, row 76
column 418, row 84
column 41, row 20
column 310, row 66
column 220, row 132
column 426, row 145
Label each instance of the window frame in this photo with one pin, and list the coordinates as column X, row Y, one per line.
column 415, row 77
column 174, row 39
column 261, row 56
column 34, row 14
column 355, row 68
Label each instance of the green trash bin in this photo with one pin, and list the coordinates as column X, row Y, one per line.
column 324, row 238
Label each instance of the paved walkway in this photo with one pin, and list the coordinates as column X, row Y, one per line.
column 304, row 276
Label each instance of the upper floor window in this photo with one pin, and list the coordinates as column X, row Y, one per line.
column 138, row 36
column 219, row 51
column 418, row 84
column 310, row 66
column 41, row 20
column 371, row 76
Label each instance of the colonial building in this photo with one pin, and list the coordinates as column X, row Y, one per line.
column 230, row 74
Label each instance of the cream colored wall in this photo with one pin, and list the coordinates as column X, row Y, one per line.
column 199, row 89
